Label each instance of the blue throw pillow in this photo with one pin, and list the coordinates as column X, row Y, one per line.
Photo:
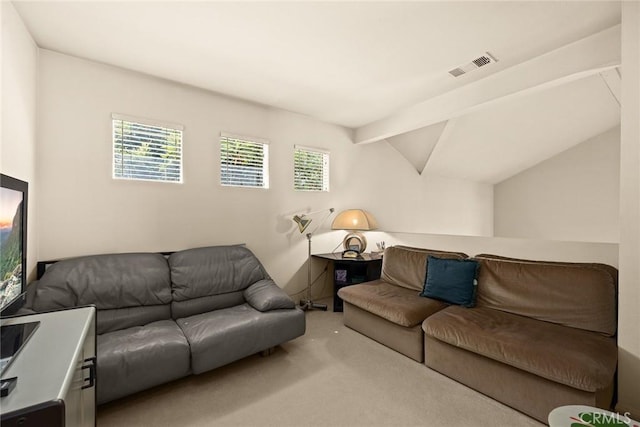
column 451, row 280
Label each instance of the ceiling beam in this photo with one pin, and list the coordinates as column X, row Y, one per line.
column 592, row 55
column 416, row 146
column 444, row 136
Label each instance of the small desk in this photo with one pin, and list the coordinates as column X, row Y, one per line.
column 585, row 416
column 351, row 271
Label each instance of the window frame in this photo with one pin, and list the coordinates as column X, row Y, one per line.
column 164, row 126
column 326, row 168
column 265, row 159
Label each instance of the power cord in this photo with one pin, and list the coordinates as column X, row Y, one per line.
column 313, row 281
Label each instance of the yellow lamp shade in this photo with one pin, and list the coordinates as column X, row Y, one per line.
column 354, row 219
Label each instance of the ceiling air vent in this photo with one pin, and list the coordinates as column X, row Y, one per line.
column 481, row 61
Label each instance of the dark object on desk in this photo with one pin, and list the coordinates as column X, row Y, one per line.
column 351, row 271
column 351, row 254
column 12, row 340
column 7, row 385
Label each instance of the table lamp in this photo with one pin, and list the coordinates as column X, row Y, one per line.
column 354, row 220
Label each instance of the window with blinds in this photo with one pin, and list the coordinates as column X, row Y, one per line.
column 143, row 150
column 244, row 161
column 310, row 169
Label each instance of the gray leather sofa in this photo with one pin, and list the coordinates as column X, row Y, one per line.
column 161, row 318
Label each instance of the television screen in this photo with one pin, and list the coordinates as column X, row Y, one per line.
column 13, row 220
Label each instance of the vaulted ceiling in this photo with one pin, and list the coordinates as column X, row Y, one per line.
column 380, row 68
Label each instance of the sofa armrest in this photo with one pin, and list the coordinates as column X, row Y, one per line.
column 29, row 298
column 265, row 295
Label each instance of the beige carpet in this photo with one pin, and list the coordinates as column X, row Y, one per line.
column 332, row 376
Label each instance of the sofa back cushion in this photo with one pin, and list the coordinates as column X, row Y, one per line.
column 211, row 278
column 127, row 289
column 407, row 267
column 608, row 268
column 578, row 295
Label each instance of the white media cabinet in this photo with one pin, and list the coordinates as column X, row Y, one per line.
column 56, row 372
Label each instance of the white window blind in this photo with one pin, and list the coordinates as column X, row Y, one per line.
column 310, row 169
column 144, row 150
column 244, row 161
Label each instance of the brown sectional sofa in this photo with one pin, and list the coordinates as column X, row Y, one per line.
column 542, row 334
column 390, row 309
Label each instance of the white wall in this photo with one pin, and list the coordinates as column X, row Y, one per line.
column 629, row 286
column 18, row 123
column 406, row 201
column 84, row 211
column 572, row 196
column 544, row 250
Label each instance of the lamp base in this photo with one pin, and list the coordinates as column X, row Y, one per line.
column 310, row 305
column 354, row 241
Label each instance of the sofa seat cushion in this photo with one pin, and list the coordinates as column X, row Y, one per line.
column 223, row 336
column 396, row 304
column 579, row 359
column 127, row 317
column 137, row 358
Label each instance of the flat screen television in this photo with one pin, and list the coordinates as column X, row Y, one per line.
column 14, row 195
